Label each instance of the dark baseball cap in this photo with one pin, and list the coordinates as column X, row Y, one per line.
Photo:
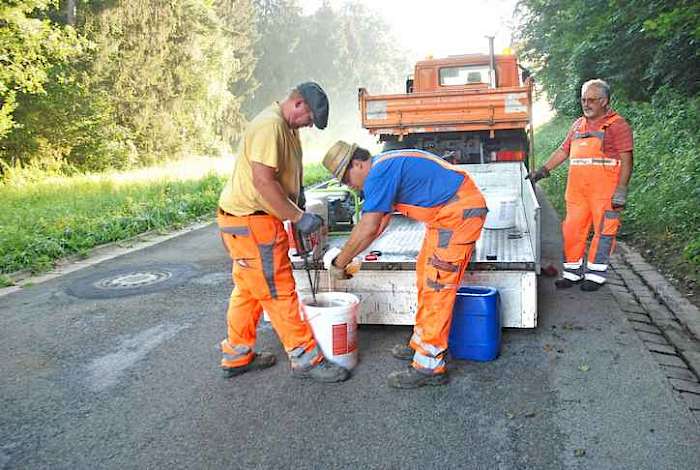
column 317, row 100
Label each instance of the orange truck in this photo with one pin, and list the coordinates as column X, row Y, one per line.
column 469, row 109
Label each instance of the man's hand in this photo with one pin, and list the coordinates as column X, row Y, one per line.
column 309, row 223
column 337, row 273
column 619, row 198
column 329, row 263
column 535, row 176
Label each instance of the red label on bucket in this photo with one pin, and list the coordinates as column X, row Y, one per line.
column 340, row 339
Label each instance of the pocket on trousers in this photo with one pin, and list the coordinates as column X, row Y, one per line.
column 444, row 267
column 611, row 223
column 240, row 245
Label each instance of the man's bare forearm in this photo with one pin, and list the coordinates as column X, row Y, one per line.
column 556, row 159
column 626, row 163
column 265, row 180
column 272, row 192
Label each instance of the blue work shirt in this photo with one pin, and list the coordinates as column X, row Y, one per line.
column 413, row 180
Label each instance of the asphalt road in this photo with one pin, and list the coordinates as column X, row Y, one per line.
column 91, row 378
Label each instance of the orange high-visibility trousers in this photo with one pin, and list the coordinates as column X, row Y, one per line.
column 593, row 178
column 451, row 233
column 262, row 274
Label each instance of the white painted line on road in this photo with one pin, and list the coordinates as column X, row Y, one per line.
column 105, row 371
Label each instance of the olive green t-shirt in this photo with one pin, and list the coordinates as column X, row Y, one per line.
column 267, row 140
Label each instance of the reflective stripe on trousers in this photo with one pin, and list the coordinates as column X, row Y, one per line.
column 572, row 271
column 262, row 274
column 304, row 359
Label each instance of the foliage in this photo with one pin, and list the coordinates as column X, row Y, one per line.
column 666, row 182
column 134, row 82
column 639, row 46
column 342, row 49
column 30, row 44
column 315, row 173
column 154, row 79
column 47, row 219
column 50, row 220
column 168, row 67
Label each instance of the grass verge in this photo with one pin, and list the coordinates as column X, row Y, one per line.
column 46, row 220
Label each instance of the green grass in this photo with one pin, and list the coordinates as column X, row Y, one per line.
column 46, row 220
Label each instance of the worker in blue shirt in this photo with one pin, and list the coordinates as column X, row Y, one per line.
column 424, row 187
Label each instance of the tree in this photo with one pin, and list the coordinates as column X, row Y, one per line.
column 170, row 68
column 30, row 44
column 637, row 45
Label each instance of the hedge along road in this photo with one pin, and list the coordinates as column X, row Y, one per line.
column 130, row 379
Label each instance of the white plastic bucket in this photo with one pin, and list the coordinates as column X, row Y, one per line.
column 501, row 210
column 333, row 321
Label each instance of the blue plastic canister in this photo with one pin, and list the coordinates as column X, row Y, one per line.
column 476, row 324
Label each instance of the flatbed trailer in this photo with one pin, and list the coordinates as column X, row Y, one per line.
column 507, row 259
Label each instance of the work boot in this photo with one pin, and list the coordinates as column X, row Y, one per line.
column 324, row 371
column 565, row 283
column 403, row 352
column 590, row 286
column 261, row 360
column 413, row 378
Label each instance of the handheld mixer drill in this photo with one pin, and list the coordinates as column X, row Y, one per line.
column 311, row 245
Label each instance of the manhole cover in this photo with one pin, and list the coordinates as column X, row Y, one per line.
column 131, row 281
column 134, row 280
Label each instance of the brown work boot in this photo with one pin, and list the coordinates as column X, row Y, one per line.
column 261, row 360
column 413, row 378
column 403, row 352
column 325, row 371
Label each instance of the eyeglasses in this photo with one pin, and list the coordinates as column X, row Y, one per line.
column 590, row 100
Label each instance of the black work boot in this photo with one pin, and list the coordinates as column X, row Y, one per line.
column 565, row 283
column 403, row 352
column 261, row 360
column 590, row 286
column 413, row 378
column 324, row 371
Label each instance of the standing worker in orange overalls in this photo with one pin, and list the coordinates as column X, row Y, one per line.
column 265, row 189
column 599, row 148
column 423, row 187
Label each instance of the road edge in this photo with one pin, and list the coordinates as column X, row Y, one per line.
column 98, row 255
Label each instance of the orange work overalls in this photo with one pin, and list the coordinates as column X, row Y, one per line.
column 451, row 232
column 593, row 177
column 262, row 274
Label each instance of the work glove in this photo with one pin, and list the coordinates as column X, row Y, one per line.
column 619, row 197
column 537, row 175
column 309, row 223
column 329, row 263
column 339, row 274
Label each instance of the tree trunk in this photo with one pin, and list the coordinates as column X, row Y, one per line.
column 70, row 12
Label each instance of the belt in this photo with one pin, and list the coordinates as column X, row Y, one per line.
column 246, row 215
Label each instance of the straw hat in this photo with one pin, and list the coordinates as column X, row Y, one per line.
column 338, row 158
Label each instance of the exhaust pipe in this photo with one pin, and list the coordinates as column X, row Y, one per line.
column 492, row 62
